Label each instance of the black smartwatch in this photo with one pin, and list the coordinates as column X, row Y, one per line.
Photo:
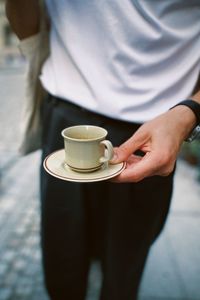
column 195, row 107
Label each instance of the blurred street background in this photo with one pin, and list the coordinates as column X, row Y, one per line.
column 173, row 267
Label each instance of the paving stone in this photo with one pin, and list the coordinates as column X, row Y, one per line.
column 23, row 291
column 24, row 281
column 14, row 242
column 184, row 244
column 10, row 279
column 94, row 282
column 19, row 265
column 3, row 269
column 31, row 270
column 32, row 241
column 8, row 203
column 5, row 293
column 9, row 255
column 36, row 256
column 39, row 294
column 186, row 190
column 161, row 277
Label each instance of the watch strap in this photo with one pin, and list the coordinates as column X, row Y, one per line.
column 193, row 105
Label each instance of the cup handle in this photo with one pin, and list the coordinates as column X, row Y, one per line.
column 108, row 154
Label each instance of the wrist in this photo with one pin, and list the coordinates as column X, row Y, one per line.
column 185, row 119
column 189, row 111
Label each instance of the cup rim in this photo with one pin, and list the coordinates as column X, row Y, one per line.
column 84, row 140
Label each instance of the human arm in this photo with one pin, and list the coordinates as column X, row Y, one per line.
column 23, row 16
column 160, row 139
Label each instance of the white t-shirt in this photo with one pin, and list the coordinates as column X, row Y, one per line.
column 128, row 59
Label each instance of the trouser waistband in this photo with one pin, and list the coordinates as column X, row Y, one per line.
column 67, row 104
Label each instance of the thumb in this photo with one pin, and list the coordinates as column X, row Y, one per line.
column 123, row 152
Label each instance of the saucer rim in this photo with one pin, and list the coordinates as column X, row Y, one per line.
column 65, row 178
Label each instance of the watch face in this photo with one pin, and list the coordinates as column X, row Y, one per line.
column 195, row 134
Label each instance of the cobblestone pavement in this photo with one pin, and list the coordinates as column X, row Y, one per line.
column 20, row 268
column 20, row 258
column 173, row 268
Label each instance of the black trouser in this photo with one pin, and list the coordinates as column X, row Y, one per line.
column 115, row 222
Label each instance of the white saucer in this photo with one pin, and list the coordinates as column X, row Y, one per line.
column 55, row 165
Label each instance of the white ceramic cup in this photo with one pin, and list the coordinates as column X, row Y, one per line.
column 86, row 148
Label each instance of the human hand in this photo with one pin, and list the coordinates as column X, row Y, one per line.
column 160, row 140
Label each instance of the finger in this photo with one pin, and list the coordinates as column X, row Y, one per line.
column 133, row 159
column 146, row 167
column 130, row 146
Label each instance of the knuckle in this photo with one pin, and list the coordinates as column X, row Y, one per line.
column 136, row 178
column 167, row 171
column 123, row 149
column 132, row 178
column 165, row 159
